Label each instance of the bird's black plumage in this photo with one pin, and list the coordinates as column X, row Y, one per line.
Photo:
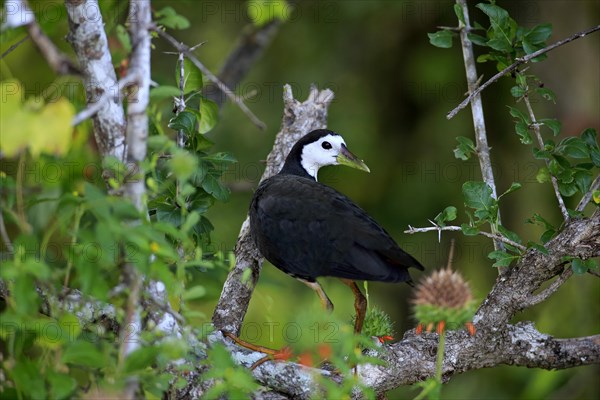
column 309, row 230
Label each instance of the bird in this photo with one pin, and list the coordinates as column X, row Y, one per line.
column 310, row 230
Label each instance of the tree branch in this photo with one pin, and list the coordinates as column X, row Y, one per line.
column 588, row 196
column 515, row 65
column 250, row 46
column 298, row 119
column 493, row 236
column 182, row 48
column 88, row 39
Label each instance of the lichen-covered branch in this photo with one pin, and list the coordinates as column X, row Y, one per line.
column 299, row 118
column 88, row 39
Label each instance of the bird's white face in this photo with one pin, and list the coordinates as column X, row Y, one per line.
column 323, row 152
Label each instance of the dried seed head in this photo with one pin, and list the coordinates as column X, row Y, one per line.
column 444, row 288
column 444, row 297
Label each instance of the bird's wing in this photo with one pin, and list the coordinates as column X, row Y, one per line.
column 325, row 233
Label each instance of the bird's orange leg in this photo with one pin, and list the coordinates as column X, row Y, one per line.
column 325, row 302
column 360, row 304
column 282, row 354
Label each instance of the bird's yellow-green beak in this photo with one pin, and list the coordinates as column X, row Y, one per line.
column 345, row 157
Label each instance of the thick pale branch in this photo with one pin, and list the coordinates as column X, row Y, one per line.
column 483, row 149
column 298, row 119
column 87, row 36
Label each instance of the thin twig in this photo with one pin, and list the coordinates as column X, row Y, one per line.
column 594, row 272
column 538, row 135
column 554, row 286
column 493, row 236
column 514, row 66
column 182, row 48
column 4, row 234
column 14, row 46
column 588, row 196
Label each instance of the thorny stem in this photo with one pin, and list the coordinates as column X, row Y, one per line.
column 536, row 129
column 516, row 64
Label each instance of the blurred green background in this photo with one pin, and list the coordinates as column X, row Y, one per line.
column 393, row 90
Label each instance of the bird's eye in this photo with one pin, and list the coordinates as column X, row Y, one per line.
column 326, row 145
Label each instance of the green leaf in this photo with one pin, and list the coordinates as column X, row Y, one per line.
column 169, row 18
column 211, row 185
column 517, row 91
column 163, row 92
column 547, row 94
column 192, row 76
column 469, row 230
column 465, row 148
column 61, row 385
column 209, row 115
column 539, row 33
column 123, row 37
column 442, row 39
column 583, row 180
column 85, row 353
column 581, row 267
column 141, row 358
column 553, row 124
column 459, row 13
column 522, row 130
column 543, row 175
column 195, row 292
column 514, row 186
column 538, row 247
column 480, row 41
column 518, row 114
column 448, row 214
column 185, row 121
column 503, row 259
column 573, row 147
column 261, row 12
column 183, row 164
column 478, row 195
column 589, row 137
column 219, row 158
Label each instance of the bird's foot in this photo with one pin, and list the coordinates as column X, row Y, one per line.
column 283, row 354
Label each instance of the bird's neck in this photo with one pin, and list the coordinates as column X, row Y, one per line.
column 293, row 166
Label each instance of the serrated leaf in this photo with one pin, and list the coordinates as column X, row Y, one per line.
column 478, row 195
column 543, row 175
column 589, row 137
column 441, row 39
column 503, row 259
column 538, row 247
column 518, row 114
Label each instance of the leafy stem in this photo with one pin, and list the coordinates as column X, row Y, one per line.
column 536, row 129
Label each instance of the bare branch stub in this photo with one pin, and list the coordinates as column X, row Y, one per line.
column 299, row 118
